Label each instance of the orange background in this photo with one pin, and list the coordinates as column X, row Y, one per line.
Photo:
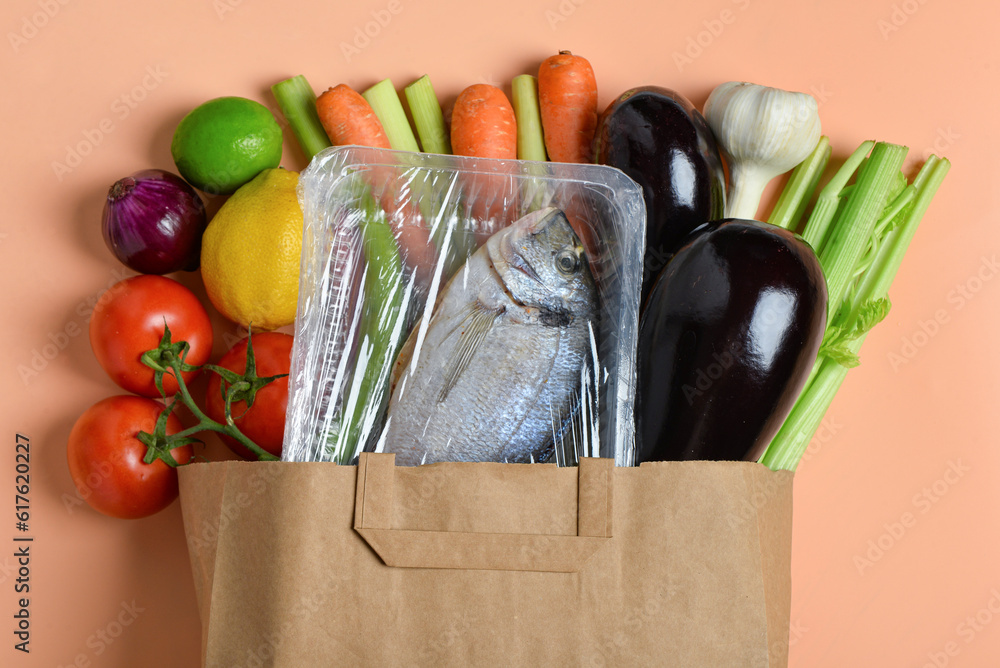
column 913, row 72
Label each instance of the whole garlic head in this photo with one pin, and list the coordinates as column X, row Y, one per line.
column 764, row 132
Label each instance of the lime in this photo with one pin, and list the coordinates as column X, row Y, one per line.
column 224, row 143
column 250, row 252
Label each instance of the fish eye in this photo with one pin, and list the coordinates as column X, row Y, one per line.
column 568, row 262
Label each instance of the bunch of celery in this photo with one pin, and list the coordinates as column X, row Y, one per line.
column 860, row 232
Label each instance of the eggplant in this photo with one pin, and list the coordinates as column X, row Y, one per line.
column 663, row 143
column 729, row 335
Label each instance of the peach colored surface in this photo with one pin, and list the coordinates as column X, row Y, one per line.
column 914, row 429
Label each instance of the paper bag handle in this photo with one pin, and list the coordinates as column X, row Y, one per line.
column 484, row 551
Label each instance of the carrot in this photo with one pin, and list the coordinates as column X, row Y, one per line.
column 482, row 124
column 348, row 118
column 567, row 96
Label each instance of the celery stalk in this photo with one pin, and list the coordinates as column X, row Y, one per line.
column 380, row 337
column 530, row 143
column 883, row 270
column 926, row 170
column 788, row 446
column 385, row 103
column 427, row 116
column 800, row 187
column 829, row 199
column 297, row 101
column 848, row 241
column 786, row 449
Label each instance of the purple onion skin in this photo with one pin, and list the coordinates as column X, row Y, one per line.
column 153, row 222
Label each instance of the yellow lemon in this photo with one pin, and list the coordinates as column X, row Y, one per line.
column 250, row 252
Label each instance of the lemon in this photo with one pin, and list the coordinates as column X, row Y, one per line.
column 224, row 143
column 250, row 252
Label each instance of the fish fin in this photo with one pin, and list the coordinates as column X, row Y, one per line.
column 573, row 428
column 405, row 355
column 567, row 430
column 475, row 326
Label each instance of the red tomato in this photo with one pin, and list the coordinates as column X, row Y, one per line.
column 105, row 458
column 264, row 423
column 128, row 321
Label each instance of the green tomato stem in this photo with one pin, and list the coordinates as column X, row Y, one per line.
column 208, row 424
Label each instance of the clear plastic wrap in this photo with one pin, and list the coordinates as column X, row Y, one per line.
column 460, row 309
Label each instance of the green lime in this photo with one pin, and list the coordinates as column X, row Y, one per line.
column 224, row 143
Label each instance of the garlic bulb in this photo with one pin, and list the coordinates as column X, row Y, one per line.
column 764, row 132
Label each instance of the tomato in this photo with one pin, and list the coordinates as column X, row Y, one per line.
column 128, row 321
column 105, row 458
column 264, row 423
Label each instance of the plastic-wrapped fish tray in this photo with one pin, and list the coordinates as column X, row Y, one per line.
column 462, row 309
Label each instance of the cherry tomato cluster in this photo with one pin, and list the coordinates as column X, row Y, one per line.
column 120, row 451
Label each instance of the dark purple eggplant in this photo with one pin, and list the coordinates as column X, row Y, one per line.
column 728, row 338
column 657, row 137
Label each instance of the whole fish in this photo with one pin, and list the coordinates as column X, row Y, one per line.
column 496, row 373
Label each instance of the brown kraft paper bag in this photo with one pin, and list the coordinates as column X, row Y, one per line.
column 481, row 564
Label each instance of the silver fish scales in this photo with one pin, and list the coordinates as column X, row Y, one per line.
column 495, row 375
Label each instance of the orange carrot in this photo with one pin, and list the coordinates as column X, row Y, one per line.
column 482, row 124
column 567, row 98
column 348, row 118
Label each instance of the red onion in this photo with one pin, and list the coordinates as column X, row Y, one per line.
column 153, row 222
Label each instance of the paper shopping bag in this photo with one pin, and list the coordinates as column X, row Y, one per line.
column 482, row 564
